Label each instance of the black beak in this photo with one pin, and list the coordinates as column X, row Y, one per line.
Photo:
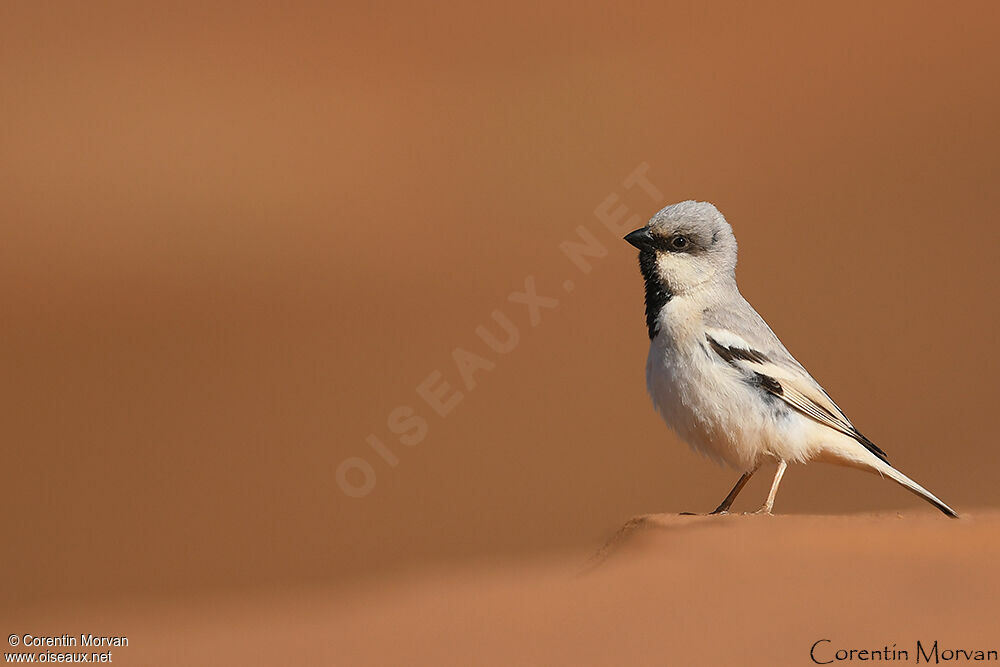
column 640, row 238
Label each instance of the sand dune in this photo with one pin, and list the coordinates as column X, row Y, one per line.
column 665, row 590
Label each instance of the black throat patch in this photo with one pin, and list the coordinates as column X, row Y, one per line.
column 657, row 293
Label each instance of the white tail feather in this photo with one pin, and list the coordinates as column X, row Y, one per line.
column 885, row 469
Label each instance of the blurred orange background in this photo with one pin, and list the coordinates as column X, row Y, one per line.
column 236, row 238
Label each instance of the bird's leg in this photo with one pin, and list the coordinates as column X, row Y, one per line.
column 769, row 505
column 723, row 508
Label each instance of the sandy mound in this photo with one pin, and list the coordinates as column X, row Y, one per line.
column 665, row 590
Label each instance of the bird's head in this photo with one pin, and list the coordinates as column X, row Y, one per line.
column 684, row 246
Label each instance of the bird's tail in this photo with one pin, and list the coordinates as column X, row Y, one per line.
column 887, row 470
column 850, row 452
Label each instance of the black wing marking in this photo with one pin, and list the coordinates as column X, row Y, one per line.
column 794, row 398
column 731, row 354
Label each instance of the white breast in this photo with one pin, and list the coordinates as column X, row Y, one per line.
column 707, row 403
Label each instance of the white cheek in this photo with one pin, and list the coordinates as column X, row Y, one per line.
column 681, row 271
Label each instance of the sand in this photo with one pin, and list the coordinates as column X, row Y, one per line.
column 665, row 590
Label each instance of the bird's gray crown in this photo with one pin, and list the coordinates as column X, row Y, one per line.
column 700, row 223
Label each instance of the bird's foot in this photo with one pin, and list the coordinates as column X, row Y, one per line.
column 766, row 511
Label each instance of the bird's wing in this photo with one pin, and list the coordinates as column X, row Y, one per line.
column 738, row 336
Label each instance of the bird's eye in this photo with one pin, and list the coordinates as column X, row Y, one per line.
column 679, row 242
